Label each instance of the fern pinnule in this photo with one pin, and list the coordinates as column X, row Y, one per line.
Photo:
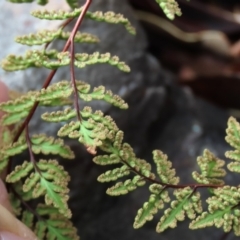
column 233, row 138
column 22, row 103
column 49, row 145
column 122, row 188
column 187, row 203
column 156, row 202
column 47, row 36
column 211, row 169
column 222, row 211
column 39, row 38
column 20, row 172
column 164, row 168
column 113, row 175
column 106, row 159
column 84, row 59
column 170, row 8
column 59, row 116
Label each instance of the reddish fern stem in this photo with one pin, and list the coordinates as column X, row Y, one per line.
column 166, row 185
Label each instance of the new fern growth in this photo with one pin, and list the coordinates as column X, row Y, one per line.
column 46, row 179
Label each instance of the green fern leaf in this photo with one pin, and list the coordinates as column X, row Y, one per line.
column 108, row 17
column 222, row 211
column 6, row 137
column 42, row 37
column 99, row 93
column 84, row 59
column 80, row 37
column 52, row 225
column 47, row 36
column 90, row 132
column 233, row 133
column 12, row 118
column 98, row 116
column 36, row 58
column 49, row 145
column 56, row 15
column 211, row 169
column 170, row 8
column 51, row 181
column 111, row 17
column 19, row 172
column 58, row 90
column 59, row 116
column 129, row 185
column 20, row 104
column 166, row 174
column 69, row 128
column 14, row 149
column 57, row 102
column 187, row 203
column 106, row 159
column 3, row 163
column 233, row 138
column 156, row 201
column 113, row 175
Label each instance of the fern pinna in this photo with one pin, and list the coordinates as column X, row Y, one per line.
column 46, row 179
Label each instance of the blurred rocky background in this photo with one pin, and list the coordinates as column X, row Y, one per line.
column 183, row 86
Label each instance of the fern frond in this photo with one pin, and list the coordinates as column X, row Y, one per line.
column 47, row 36
column 51, row 181
column 122, row 188
column 222, row 211
column 186, row 203
column 84, row 59
column 156, row 201
column 108, row 17
column 52, row 225
column 48, row 145
column 113, row 175
column 165, row 173
column 211, row 169
column 100, row 93
column 233, row 138
column 170, row 8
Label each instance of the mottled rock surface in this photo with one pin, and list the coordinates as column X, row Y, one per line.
column 161, row 116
